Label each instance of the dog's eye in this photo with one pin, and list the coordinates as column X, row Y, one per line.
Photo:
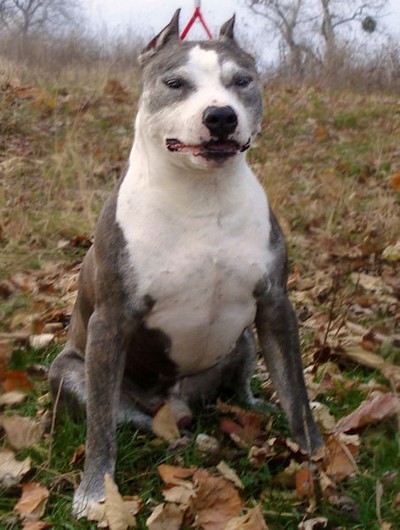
column 242, row 81
column 175, row 82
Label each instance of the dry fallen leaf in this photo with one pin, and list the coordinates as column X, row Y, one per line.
column 175, row 474
column 229, row 474
column 372, row 360
column 179, row 494
column 21, row 431
column 32, row 503
column 340, row 451
column 165, row 517
column 322, row 415
column 164, row 424
column 36, row 525
column 253, row 520
column 12, row 398
column 116, row 512
column 16, row 380
column 392, row 252
column 304, row 483
column 41, row 341
column 12, row 470
column 215, row 503
column 311, row 524
column 370, row 411
column 207, row 444
column 395, row 181
column 368, row 282
column 247, row 428
column 287, row 477
column 78, row 455
column 6, row 348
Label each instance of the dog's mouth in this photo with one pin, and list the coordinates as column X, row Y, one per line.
column 211, row 150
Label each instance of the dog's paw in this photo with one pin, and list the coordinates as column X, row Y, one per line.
column 181, row 412
column 88, row 504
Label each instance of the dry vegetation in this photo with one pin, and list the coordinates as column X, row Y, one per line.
column 331, row 164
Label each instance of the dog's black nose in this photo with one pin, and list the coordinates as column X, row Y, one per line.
column 220, row 121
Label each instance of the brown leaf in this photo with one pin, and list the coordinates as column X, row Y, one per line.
column 229, row 474
column 21, row 431
column 116, row 511
column 26, row 92
column 164, row 424
column 41, row 341
column 396, row 502
column 311, row 524
column 253, row 520
column 32, row 503
column 305, row 483
column 207, row 444
column 322, row 416
column 12, row 470
column 12, row 398
column 36, row 525
column 175, row 474
column 247, row 428
column 339, row 453
column 16, row 380
column 395, row 181
column 392, row 252
column 372, row 360
column 165, row 517
column 370, row 411
column 78, row 455
column 179, row 494
column 287, row 477
column 6, row 348
column 215, row 503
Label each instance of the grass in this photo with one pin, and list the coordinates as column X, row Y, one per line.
column 140, row 454
column 325, row 157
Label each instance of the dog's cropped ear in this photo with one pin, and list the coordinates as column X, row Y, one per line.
column 226, row 31
column 169, row 33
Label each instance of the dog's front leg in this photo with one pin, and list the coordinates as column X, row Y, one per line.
column 104, row 362
column 278, row 334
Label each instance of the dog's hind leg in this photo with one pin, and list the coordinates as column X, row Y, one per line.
column 67, row 381
column 68, row 387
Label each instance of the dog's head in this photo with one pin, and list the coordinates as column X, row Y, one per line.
column 200, row 100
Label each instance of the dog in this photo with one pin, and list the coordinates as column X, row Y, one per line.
column 187, row 258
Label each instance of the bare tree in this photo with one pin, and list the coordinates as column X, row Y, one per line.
column 304, row 24
column 32, row 16
column 288, row 18
column 337, row 13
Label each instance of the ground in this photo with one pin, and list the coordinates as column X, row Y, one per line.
column 330, row 163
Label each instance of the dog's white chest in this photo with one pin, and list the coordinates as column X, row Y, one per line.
column 200, row 262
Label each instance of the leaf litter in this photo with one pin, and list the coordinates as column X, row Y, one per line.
column 355, row 266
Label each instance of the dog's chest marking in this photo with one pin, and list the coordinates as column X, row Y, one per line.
column 199, row 256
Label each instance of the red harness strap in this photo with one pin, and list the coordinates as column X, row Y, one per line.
column 196, row 14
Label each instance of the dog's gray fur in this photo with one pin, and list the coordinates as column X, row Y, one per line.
column 121, row 368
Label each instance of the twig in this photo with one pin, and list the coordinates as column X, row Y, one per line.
column 53, row 422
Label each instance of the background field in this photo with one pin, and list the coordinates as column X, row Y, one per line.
column 330, row 162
